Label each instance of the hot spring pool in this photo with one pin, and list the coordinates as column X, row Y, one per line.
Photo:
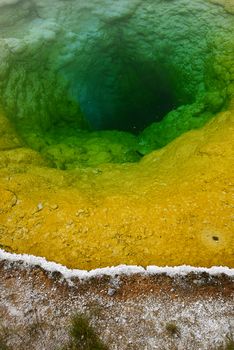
column 116, row 131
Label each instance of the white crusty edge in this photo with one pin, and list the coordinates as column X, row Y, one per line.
column 30, row 260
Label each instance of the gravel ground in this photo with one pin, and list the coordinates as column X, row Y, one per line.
column 127, row 312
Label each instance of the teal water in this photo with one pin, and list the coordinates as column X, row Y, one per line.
column 106, row 81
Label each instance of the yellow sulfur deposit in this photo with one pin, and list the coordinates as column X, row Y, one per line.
column 172, row 208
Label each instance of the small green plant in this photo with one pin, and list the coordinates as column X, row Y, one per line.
column 3, row 338
column 3, row 345
column 229, row 345
column 172, row 329
column 83, row 336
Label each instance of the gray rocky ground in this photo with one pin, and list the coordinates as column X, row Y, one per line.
column 193, row 311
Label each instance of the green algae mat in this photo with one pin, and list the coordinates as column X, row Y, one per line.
column 116, row 131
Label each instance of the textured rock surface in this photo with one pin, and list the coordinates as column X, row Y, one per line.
column 135, row 317
column 227, row 4
column 58, row 56
column 172, row 208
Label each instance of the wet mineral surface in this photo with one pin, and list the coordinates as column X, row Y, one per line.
column 116, row 131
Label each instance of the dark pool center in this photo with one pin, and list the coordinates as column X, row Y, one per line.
column 87, row 83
